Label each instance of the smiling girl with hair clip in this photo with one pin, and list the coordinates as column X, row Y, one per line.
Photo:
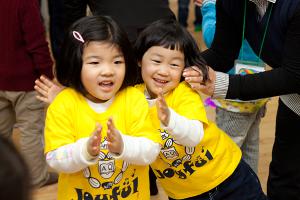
column 96, row 135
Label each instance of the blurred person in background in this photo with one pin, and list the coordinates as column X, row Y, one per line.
column 24, row 56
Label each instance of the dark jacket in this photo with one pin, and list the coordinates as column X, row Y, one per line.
column 281, row 48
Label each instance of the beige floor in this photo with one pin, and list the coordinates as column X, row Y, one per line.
column 266, row 135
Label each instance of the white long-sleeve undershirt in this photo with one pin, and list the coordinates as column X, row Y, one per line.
column 70, row 158
column 139, row 150
column 186, row 131
column 74, row 157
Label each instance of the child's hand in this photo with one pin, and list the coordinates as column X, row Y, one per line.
column 162, row 109
column 114, row 138
column 47, row 89
column 93, row 145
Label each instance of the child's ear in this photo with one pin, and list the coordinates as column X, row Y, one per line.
column 139, row 64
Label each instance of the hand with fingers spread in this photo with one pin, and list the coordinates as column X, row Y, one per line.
column 114, row 138
column 93, row 145
column 162, row 109
column 47, row 89
column 193, row 76
column 198, row 2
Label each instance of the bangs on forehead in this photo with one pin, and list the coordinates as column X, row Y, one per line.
column 110, row 43
column 171, row 43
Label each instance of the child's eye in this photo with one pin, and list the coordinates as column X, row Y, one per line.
column 93, row 63
column 156, row 61
column 118, row 62
column 174, row 65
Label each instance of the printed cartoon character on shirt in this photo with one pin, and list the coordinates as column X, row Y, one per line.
column 179, row 158
column 169, row 151
column 106, row 169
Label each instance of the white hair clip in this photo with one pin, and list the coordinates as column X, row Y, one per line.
column 78, row 36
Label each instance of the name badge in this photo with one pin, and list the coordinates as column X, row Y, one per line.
column 248, row 67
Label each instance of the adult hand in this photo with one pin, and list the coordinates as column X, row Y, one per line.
column 193, row 76
column 93, row 144
column 47, row 89
column 114, row 138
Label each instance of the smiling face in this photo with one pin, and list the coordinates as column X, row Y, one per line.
column 161, row 68
column 103, row 70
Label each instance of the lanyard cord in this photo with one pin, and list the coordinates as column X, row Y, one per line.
column 265, row 31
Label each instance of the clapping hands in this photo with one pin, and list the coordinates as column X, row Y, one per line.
column 114, row 139
column 93, row 145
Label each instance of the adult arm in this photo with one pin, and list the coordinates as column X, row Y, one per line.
column 35, row 38
column 282, row 80
column 226, row 43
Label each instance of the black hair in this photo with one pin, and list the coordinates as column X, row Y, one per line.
column 170, row 34
column 93, row 28
column 14, row 173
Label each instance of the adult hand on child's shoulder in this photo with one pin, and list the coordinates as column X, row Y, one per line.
column 193, row 76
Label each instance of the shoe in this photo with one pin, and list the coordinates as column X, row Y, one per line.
column 52, row 178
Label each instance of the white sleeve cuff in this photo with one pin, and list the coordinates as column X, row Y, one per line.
column 138, row 150
column 186, row 131
column 221, row 85
column 84, row 154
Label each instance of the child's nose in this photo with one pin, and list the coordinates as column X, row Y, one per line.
column 107, row 70
column 163, row 70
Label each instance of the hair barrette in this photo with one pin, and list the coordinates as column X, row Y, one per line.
column 78, row 36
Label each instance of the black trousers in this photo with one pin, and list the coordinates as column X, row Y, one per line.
column 243, row 184
column 284, row 173
column 56, row 26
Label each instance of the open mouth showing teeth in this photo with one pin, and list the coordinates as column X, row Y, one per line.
column 106, row 84
column 160, row 81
